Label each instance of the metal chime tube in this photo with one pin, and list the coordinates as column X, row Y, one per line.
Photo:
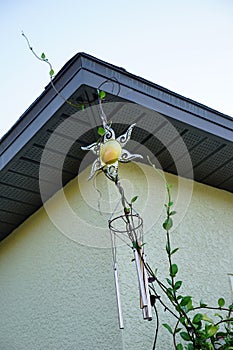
column 118, row 296
column 140, row 278
column 146, row 311
column 148, row 308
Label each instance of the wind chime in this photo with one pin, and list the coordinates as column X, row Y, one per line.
column 110, row 151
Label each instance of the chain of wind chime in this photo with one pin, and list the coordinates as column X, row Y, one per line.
column 110, row 151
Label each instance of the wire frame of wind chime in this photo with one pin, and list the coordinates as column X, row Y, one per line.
column 131, row 227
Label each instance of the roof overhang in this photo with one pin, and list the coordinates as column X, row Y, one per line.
column 206, row 133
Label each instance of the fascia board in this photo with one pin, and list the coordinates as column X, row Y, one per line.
column 41, row 119
column 192, row 114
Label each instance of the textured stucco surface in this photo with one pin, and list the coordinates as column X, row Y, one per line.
column 56, row 279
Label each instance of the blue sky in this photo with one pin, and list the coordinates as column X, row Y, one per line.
column 183, row 45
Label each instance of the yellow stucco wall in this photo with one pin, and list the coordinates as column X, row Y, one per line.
column 56, row 279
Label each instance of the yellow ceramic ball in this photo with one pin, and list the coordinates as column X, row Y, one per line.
column 110, row 152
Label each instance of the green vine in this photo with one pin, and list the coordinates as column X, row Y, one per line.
column 194, row 329
column 44, row 59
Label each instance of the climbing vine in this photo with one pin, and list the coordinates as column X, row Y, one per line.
column 194, row 328
column 44, row 59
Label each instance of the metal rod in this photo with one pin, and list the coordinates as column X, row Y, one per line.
column 149, row 310
column 118, row 296
column 140, row 278
column 142, row 272
column 146, row 311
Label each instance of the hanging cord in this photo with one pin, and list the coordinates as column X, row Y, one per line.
column 99, row 195
column 113, row 245
column 114, row 211
column 102, row 114
column 113, row 231
column 112, row 214
column 119, row 234
column 111, row 80
column 100, row 99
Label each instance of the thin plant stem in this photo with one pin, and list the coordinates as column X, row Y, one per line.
column 156, row 329
column 51, row 75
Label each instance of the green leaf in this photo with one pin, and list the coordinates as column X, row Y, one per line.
column 179, row 346
column 207, row 318
column 168, row 328
column 198, row 325
column 189, row 306
column 42, row 56
column 168, row 223
column 127, row 210
column 135, row 245
column 170, row 204
column 169, row 186
column 102, row 95
column 177, row 285
column 170, row 293
column 202, row 304
column 218, row 315
column 134, row 199
column 82, row 106
column 101, row 131
column 182, row 320
column 174, row 250
column 185, row 336
column 178, row 330
column 197, row 318
column 221, row 302
column 185, row 300
column 211, row 330
column 169, row 281
column 173, row 270
column 172, row 212
column 190, row 347
column 51, row 73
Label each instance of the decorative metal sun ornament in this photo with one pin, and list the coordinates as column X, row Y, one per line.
column 109, row 150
